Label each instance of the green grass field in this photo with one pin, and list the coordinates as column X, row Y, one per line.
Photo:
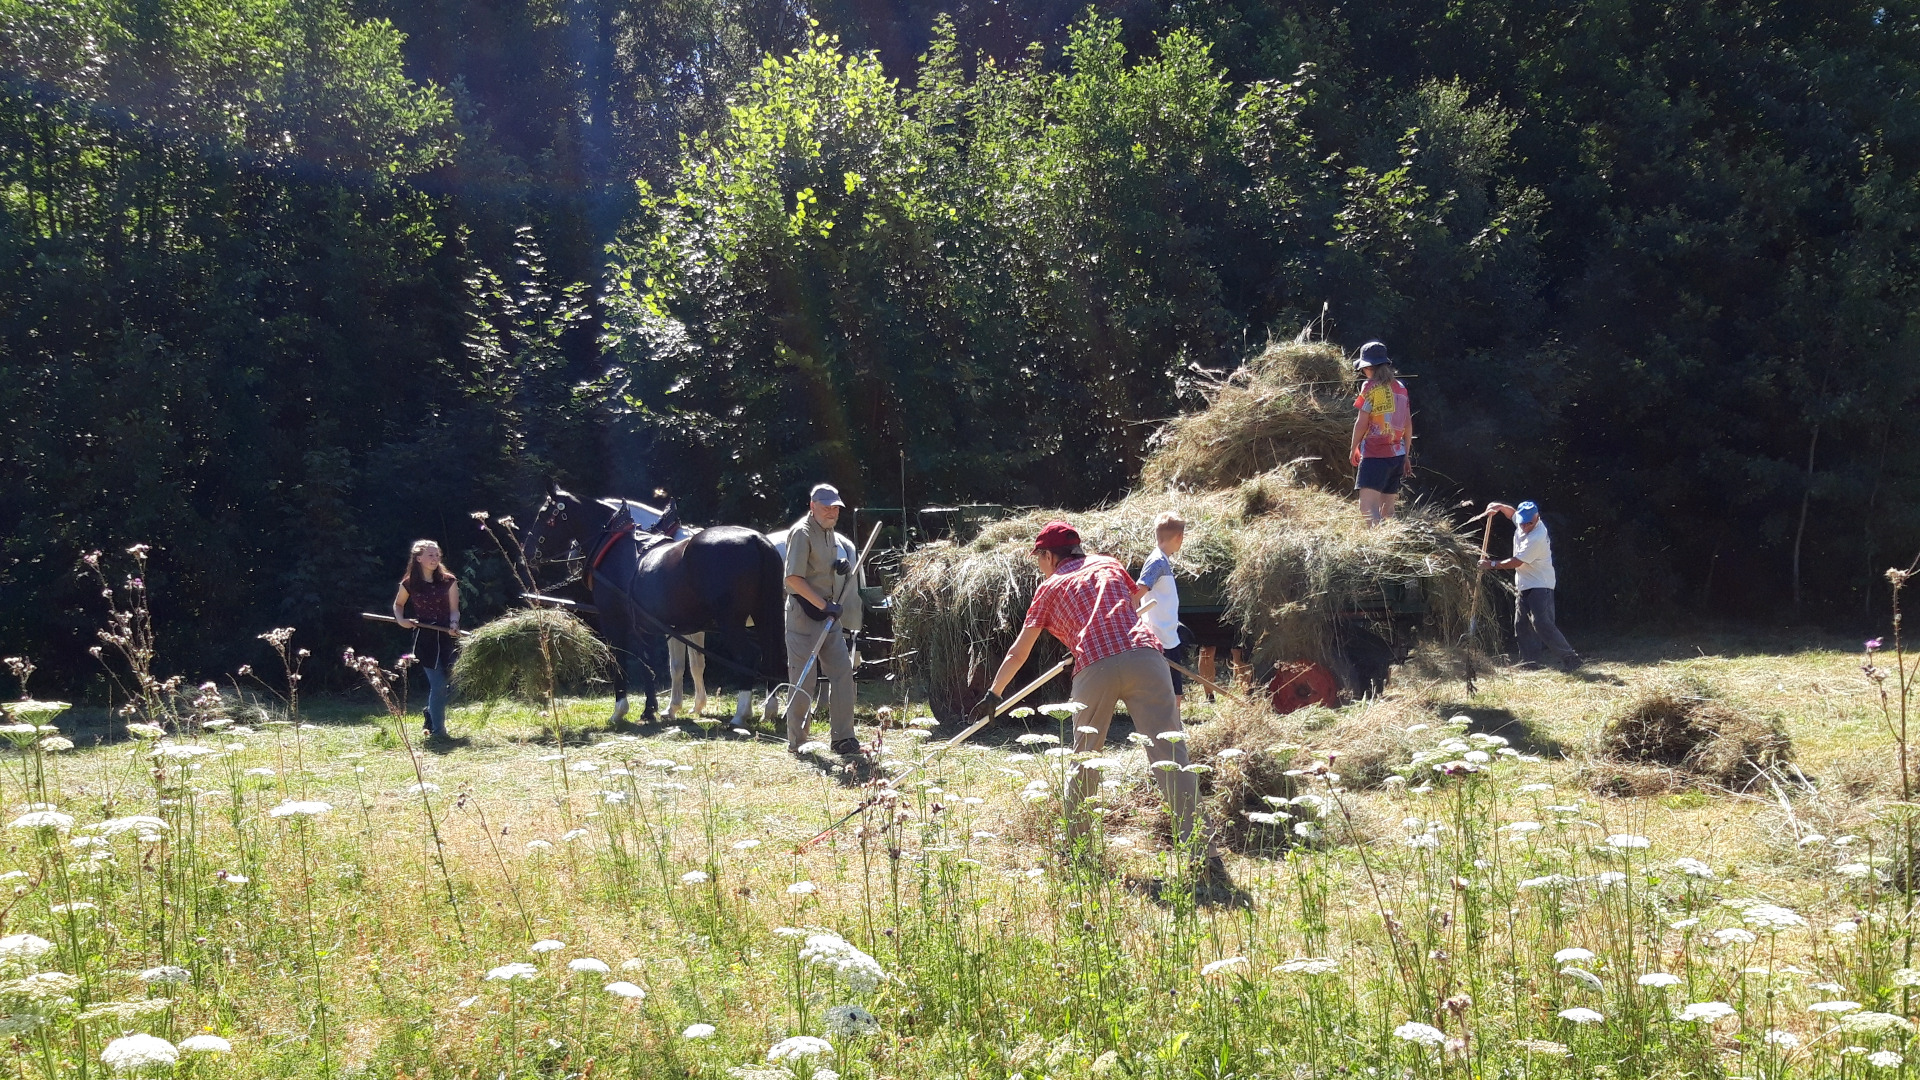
column 632, row 903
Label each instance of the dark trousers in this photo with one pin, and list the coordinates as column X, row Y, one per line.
column 1533, row 625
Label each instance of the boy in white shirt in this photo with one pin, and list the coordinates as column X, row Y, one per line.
column 1156, row 581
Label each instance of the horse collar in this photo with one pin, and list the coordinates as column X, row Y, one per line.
column 625, row 529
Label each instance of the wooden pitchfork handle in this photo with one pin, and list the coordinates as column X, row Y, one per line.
column 853, row 574
column 1206, row 682
column 893, row 784
column 447, row 630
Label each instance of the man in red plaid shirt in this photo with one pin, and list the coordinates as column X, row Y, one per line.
column 1087, row 601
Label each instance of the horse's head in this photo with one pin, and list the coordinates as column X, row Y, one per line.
column 561, row 530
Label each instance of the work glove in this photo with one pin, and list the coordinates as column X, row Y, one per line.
column 985, row 707
column 832, row 609
column 842, row 566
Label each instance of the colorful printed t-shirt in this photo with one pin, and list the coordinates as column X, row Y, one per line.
column 1388, row 418
column 1088, row 605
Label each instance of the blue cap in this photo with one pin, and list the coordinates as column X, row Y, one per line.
column 826, row 495
column 1526, row 512
column 1373, row 352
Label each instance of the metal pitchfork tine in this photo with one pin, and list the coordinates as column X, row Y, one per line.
column 894, row 784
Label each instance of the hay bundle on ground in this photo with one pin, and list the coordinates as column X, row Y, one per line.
column 1291, row 404
column 1293, row 560
column 1678, row 730
column 504, row 658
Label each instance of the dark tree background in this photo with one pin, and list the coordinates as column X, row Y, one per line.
column 289, row 283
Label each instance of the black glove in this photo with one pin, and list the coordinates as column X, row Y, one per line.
column 832, row 609
column 842, row 566
column 985, row 708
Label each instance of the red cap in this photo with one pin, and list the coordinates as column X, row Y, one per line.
column 1058, row 536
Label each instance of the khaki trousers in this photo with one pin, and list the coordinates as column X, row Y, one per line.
column 1141, row 678
column 837, row 666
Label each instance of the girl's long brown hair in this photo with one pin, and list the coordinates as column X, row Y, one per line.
column 413, row 576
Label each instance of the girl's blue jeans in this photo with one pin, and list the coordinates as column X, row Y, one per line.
column 437, row 702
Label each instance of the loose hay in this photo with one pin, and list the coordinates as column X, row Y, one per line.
column 1291, row 405
column 503, row 658
column 1679, row 729
column 1292, row 559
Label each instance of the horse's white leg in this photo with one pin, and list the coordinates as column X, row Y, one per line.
column 619, row 710
column 743, row 708
column 676, row 663
column 698, row 663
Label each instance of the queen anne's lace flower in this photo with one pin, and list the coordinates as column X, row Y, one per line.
column 510, row 972
column 206, row 1044
column 858, row 970
column 1420, row 1034
column 698, row 1031
column 1219, row 966
column 1309, row 965
column 626, row 990
column 1706, row 1011
column 1885, row 1059
column 799, row 1046
column 1772, row 918
column 1659, row 978
column 851, row 1021
column 1875, row 1023
column 588, row 963
column 300, row 808
column 1568, row 956
column 139, row 1053
column 42, row 819
column 1833, row 1007
column 1580, row 1016
column 24, row 946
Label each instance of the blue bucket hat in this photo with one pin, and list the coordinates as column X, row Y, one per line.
column 1373, row 352
column 1526, row 512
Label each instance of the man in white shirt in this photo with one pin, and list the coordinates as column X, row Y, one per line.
column 1533, row 580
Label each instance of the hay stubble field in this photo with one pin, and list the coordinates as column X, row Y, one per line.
column 632, row 903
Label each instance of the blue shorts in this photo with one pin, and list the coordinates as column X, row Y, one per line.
column 1177, row 654
column 1381, row 474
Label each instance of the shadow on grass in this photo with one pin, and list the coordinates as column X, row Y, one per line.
column 1520, row 734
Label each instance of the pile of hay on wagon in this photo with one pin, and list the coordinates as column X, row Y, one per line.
column 1293, row 557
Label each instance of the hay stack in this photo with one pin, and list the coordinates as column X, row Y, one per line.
column 503, row 657
column 1291, row 405
column 1679, row 729
column 1292, row 558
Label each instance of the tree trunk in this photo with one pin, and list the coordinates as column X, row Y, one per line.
column 1800, row 531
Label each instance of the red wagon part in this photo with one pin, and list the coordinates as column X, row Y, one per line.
column 1301, row 683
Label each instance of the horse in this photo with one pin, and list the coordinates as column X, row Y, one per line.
column 649, row 588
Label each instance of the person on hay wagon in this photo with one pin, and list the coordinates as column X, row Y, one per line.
column 1534, row 626
column 1087, row 602
column 1382, row 434
column 433, row 597
column 817, row 579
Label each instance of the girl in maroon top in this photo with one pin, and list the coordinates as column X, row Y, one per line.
column 429, row 596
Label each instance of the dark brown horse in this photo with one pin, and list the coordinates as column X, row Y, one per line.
column 647, row 587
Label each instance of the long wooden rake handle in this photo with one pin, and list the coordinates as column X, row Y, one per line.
column 1206, row 682
column 894, row 783
column 447, row 630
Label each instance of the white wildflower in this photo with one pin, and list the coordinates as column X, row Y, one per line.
column 1734, row 934
column 206, row 1044
column 1875, row 1023
column 1786, row 1040
column 851, row 1021
column 1219, row 966
column 745, row 845
column 698, row 1031
column 139, row 1053
column 858, row 970
column 694, row 877
column 1706, row 1011
column 300, row 808
column 1309, row 965
column 24, row 946
column 1583, row 976
column 1884, row 1059
column 1420, row 1034
column 1660, row 978
column 626, row 990
column 1833, row 1007
column 799, row 1046
column 1581, row 1016
column 515, row 970
column 1568, row 956
column 1628, row 841
column 1693, row 868
column 165, row 974
column 42, row 819
column 539, row 845
column 589, row 964
column 1772, row 918
column 802, row 888
column 1519, row 827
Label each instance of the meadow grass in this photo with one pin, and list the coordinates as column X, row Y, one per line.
column 632, row 903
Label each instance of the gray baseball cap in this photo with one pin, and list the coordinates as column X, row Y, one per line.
column 826, row 495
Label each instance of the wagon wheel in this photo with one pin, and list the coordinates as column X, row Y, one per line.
column 1301, row 683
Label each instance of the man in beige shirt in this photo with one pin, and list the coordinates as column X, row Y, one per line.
column 818, row 582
